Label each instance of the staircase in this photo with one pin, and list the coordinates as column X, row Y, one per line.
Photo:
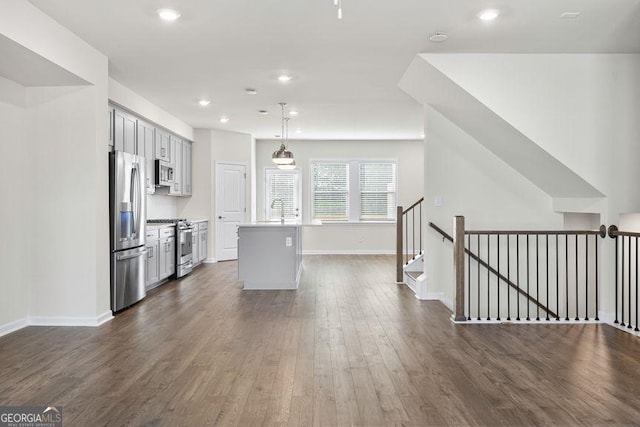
column 412, row 271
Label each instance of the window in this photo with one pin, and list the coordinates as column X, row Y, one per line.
column 377, row 191
column 353, row 190
column 330, row 191
column 285, row 186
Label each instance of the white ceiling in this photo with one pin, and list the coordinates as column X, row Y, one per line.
column 345, row 71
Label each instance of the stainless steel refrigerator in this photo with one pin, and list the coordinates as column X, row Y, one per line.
column 127, row 217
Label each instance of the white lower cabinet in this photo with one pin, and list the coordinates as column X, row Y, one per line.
column 153, row 260
column 194, row 247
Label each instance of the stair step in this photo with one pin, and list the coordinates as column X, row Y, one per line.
column 413, row 274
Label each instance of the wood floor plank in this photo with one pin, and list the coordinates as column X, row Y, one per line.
column 349, row 347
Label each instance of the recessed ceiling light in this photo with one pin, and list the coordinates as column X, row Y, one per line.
column 438, row 37
column 489, row 14
column 283, row 78
column 298, row 130
column 204, row 102
column 570, row 15
column 263, row 112
column 250, row 91
column 293, row 113
column 168, row 14
column 224, row 119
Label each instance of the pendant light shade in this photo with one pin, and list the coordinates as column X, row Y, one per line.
column 287, row 167
column 283, row 156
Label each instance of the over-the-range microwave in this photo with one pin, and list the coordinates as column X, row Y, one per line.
column 164, row 173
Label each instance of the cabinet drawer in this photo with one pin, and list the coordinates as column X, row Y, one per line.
column 153, row 234
column 167, row 232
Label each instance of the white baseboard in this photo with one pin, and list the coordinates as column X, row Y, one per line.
column 13, row 326
column 7, row 328
column 210, row 261
column 349, row 252
column 631, row 331
column 70, row 321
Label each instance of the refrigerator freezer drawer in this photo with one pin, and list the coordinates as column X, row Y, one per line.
column 127, row 277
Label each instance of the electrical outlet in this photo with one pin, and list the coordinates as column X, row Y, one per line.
column 288, row 241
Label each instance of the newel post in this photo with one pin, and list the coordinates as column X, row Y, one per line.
column 399, row 255
column 458, row 265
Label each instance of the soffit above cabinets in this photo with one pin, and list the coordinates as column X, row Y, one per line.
column 27, row 68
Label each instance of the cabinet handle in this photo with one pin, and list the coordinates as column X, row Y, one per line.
column 161, row 152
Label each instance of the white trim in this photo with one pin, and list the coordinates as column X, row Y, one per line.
column 209, row 261
column 13, row 326
column 623, row 328
column 606, row 317
column 71, row 321
column 349, row 252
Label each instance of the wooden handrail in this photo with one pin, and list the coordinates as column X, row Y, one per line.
column 493, row 270
column 602, row 232
column 614, row 232
column 413, row 205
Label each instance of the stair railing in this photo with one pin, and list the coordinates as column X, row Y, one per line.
column 551, row 271
column 626, row 277
column 408, row 231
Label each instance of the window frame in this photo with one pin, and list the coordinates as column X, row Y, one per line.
column 354, row 205
column 267, row 193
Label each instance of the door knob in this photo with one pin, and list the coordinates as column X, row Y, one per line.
column 220, row 217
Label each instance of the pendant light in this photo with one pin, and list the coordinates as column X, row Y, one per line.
column 283, row 156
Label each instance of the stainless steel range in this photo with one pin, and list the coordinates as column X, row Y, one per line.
column 184, row 248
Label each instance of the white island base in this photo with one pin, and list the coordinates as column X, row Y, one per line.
column 269, row 255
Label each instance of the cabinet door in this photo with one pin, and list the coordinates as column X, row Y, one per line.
column 124, row 138
column 176, row 155
column 153, row 263
column 194, row 246
column 202, row 250
column 146, row 139
column 187, row 172
column 162, row 151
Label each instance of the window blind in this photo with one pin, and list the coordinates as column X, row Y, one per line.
column 282, row 186
column 377, row 191
column 330, row 191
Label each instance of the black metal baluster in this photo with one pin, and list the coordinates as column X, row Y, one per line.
column 528, row 276
column 508, row 281
column 478, row 266
column 616, row 283
column 420, row 223
column 596, row 243
column 406, row 238
column 577, row 307
column 636, row 328
column 586, row 277
column 547, row 267
column 622, row 287
column 629, row 281
column 566, row 276
column 537, row 277
column 498, row 277
column 413, row 233
column 488, row 276
column 469, row 264
column 518, row 275
column 557, row 282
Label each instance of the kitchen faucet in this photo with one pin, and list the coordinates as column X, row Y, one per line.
column 281, row 208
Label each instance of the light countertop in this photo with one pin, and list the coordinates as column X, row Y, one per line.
column 279, row 224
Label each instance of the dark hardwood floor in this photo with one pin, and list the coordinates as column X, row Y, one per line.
column 350, row 347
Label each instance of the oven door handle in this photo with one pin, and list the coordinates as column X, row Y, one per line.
column 136, row 255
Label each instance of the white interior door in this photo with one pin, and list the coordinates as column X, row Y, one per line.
column 231, row 210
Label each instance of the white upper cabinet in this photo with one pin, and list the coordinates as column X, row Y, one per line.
column 146, row 149
column 124, row 137
column 187, row 169
column 163, row 146
column 176, row 156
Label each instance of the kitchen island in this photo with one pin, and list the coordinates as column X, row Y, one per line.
column 270, row 255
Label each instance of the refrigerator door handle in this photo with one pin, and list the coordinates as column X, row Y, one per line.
column 135, row 198
column 136, row 255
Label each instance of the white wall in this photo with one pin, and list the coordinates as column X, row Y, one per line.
column 211, row 146
column 344, row 238
column 61, row 208
column 473, row 182
column 13, row 253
